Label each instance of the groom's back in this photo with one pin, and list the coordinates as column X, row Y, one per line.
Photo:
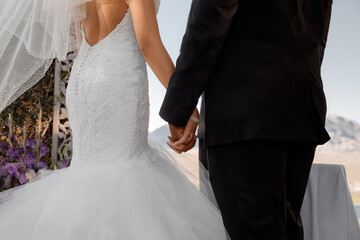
column 267, row 82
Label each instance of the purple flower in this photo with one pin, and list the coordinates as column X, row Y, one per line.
column 29, row 159
column 41, row 164
column 43, row 150
column 22, row 178
column 12, row 138
column 22, row 150
column 13, row 153
column 63, row 163
column 4, row 146
column 4, row 160
column 12, row 169
column 30, row 143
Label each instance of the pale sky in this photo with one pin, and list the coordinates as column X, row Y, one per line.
column 341, row 66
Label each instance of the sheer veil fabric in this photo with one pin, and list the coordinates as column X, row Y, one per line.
column 32, row 34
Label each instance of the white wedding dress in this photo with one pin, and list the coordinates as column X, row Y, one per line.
column 118, row 187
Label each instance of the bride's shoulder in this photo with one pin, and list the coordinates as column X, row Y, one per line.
column 156, row 2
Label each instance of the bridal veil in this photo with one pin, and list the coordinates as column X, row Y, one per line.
column 32, row 34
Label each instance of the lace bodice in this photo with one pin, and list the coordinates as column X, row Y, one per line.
column 107, row 98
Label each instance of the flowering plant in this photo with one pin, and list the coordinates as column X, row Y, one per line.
column 21, row 161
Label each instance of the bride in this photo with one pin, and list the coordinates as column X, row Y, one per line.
column 118, row 186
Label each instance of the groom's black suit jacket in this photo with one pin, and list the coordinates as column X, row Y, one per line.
column 258, row 63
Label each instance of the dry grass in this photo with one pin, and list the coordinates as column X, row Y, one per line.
column 351, row 161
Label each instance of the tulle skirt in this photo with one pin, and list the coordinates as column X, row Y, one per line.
column 150, row 199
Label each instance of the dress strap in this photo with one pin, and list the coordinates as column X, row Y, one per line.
column 81, row 26
column 82, row 29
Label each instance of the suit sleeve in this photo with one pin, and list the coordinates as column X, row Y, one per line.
column 327, row 16
column 206, row 30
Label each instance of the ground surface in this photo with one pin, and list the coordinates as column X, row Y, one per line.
column 351, row 161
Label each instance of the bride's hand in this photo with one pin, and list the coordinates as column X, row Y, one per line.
column 188, row 138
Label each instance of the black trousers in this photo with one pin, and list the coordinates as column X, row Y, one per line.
column 260, row 185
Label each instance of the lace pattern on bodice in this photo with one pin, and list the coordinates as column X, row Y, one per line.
column 107, row 99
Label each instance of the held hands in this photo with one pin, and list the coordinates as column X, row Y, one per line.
column 183, row 138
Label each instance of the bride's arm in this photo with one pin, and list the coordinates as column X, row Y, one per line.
column 149, row 41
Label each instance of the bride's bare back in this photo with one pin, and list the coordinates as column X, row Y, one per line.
column 102, row 16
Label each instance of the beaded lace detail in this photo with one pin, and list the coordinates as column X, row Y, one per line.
column 107, row 99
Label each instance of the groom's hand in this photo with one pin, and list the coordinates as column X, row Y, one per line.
column 176, row 132
column 183, row 147
column 183, row 139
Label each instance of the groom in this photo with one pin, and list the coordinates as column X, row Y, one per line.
column 258, row 64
